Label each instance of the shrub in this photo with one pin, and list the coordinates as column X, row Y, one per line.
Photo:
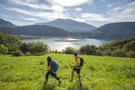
column 118, row 53
column 107, row 52
column 69, row 50
column 24, row 48
column 17, row 53
column 130, row 54
column 130, row 46
column 3, row 49
column 37, row 48
column 13, row 43
column 89, row 49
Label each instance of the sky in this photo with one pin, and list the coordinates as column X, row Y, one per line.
column 93, row 12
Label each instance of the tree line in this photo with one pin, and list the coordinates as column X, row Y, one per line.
column 12, row 45
column 120, row 48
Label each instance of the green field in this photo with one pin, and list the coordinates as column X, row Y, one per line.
column 98, row 73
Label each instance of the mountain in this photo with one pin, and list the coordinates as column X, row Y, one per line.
column 4, row 23
column 114, row 31
column 69, row 25
column 111, row 31
column 35, row 30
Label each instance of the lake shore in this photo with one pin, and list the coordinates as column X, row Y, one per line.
column 60, row 43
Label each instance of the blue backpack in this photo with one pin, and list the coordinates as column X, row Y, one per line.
column 55, row 65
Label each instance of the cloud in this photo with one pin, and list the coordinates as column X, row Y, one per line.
column 33, row 5
column 41, row 14
column 3, row 16
column 51, row 15
column 44, row 11
column 79, row 19
column 70, row 3
column 19, row 10
column 116, row 13
column 78, row 9
column 57, row 8
column 92, row 16
column 31, row 1
column 32, row 10
column 31, row 19
column 19, row 23
column 109, row 5
column 122, row 13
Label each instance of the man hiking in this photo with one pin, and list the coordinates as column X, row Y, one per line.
column 76, row 67
column 52, row 68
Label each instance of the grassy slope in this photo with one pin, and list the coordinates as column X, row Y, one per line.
column 98, row 73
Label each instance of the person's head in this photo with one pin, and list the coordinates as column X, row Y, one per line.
column 75, row 55
column 49, row 59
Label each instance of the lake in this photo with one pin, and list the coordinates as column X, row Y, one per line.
column 61, row 43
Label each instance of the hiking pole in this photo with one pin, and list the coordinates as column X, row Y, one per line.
column 43, row 69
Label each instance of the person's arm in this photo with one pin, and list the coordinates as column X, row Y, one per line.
column 77, row 63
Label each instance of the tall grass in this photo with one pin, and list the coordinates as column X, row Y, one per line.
column 98, row 73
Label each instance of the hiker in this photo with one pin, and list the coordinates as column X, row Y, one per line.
column 52, row 68
column 76, row 67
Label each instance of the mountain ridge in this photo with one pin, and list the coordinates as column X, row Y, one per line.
column 4, row 23
column 114, row 31
column 110, row 31
column 35, row 30
column 69, row 25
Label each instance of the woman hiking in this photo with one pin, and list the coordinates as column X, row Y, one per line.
column 52, row 68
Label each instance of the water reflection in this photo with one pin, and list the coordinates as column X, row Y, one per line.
column 61, row 43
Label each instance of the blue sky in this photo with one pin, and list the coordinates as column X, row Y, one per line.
column 94, row 12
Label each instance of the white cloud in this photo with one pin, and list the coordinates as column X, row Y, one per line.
column 31, row 1
column 92, row 16
column 109, row 5
column 54, row 10
column 79, row 19
column 19, row 23
column 90, row 2
column 51, row 15
column 117, row 13
column 31, row 19
column 41, row 14
column 32, row 5
column 70, row 3
column 122, row 13
column 20, row 11
column 57, row 8
column 78, row 9
column 3, row 16
column 117, row 9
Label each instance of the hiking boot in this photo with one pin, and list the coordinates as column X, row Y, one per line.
column 59, row 83
column 80, row 84
column 45, row 82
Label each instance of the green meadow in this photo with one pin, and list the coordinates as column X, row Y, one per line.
column 98, row 73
